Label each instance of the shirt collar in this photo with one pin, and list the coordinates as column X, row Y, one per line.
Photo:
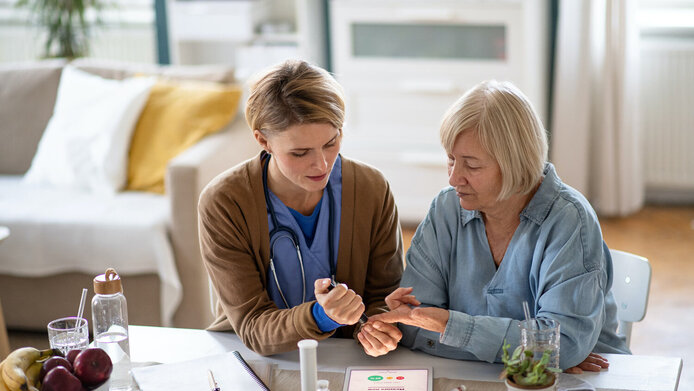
column 538, row 207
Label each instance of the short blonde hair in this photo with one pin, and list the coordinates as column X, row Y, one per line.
column 508, row 128
column 294, row 92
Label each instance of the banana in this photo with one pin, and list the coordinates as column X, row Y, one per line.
column 3, row 387
column 33, row 373
column 16, row 364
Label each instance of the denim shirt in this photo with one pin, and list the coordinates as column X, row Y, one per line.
column 556, row 260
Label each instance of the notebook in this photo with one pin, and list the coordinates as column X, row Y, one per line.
column 230, row 371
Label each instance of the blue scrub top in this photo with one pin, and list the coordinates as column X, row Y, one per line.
column 315, row 256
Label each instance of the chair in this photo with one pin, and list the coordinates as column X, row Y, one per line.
column 631, row 284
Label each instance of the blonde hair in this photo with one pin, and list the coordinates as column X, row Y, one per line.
column 294, row 92
column 508, row 128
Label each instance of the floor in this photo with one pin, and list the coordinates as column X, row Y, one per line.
column 664, row 235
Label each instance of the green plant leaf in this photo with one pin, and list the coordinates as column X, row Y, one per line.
column 64, row 21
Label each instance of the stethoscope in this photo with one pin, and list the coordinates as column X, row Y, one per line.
column 282, row 231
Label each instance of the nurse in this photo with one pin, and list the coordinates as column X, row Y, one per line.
column 278, row 228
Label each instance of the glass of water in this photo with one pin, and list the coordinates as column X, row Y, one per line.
column 539, row 335
column 68, row 334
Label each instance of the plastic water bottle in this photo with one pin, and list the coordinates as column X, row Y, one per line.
column 110, row 322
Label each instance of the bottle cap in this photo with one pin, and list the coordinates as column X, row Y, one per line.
column 108, row 283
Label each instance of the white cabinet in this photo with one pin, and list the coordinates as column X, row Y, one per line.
column 250, row 34
column 403, row 63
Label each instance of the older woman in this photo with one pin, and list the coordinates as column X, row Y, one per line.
column 506, row 231
column 277, row 230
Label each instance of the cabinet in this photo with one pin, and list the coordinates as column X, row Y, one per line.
column 403, row 63
column 249, row 34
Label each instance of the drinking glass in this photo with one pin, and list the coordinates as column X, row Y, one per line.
column 68, row 334
column 539, row 335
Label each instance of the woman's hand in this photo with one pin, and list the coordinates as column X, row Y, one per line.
column 379, row 338
column 592, row 363
column 341, row 304
column 399, row 302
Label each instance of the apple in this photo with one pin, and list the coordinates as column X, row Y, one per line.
column 93, row 367
column 52, row 363
column 60, row 379
column 72, row 354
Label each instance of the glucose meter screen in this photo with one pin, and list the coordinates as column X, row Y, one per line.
column 388, row 380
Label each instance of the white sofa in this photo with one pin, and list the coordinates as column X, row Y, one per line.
column 60, row 239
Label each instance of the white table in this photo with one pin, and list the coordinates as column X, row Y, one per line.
column 166, row 345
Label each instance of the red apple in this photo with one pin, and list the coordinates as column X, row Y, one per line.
column 60, row 379
column 52, row 363
column 93, row 367
column 72, row 354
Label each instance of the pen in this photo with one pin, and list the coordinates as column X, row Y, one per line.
column 213, row 383
column 363, row 318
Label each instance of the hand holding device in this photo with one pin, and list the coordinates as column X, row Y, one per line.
column 340, row 303
column 363, row 318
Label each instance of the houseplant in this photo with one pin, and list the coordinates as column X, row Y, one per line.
column 66, row 24
column 522, row 372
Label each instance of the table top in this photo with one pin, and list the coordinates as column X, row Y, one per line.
column 166, row 345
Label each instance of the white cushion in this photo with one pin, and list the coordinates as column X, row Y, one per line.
column 57, row 230
column 85, row 145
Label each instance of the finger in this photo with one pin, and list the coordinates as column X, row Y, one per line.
column 350, row 305
column 599, row 360
column 389, row 329
column 354, row 315
column 365, row 342
column 346, row 309
column 341, row 292
column 410, row 299
column 589, row 366
column 395, row 296
column 379, row 340
column 389, row 317
column 320, row 286
column 574, row 370
column 375, row 317
column 354, row 299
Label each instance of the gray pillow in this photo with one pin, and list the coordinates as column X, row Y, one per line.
column 27, row 96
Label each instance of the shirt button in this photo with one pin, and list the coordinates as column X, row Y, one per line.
column 430, row 343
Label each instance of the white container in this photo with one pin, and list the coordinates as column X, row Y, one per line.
column 308, row 364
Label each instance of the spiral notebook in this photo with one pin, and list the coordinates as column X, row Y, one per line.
column 230, row 371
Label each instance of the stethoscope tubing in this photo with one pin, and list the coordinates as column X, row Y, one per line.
column 277, row 229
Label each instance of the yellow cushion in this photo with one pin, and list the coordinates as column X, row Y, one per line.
column 176, row 116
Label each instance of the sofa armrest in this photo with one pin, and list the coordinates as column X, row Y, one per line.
column 186, row 176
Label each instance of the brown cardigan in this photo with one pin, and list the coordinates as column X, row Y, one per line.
column 235, row 245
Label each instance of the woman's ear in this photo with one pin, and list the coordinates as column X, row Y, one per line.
column 262, row 140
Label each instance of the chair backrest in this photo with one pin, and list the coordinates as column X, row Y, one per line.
column 630, row 286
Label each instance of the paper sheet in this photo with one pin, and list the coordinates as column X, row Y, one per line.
column 228, row 371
